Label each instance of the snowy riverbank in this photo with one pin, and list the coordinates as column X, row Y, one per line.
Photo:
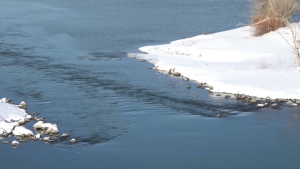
column 12, row 123
column 233, row 61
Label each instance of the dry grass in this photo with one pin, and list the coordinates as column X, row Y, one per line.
column 269, row 15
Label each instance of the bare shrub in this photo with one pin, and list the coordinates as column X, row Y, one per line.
column 263, row 63
column 292, row 38
column 269, row 15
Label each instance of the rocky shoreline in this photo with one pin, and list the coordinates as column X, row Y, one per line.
column 15, row 127
column 259, row 102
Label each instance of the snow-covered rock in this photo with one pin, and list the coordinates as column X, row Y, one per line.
column 21, row 121
column 46, row 138
column 3, row 100
column 45, row 126
column 52, row 130
column 15, row 143
column 37, row 137
column 22, row 131
column 28, row 118
column 38, row 125
column 23, row 105
column 65, row 135
column 294, row 104
column 261, row 105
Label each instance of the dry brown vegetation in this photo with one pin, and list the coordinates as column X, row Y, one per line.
column 269, row 15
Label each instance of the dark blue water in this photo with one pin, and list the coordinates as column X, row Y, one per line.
column 68, row 60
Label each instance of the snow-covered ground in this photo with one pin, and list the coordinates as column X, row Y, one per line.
column 233, row 61
column 10, row 112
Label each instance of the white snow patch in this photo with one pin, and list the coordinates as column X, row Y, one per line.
column 10, row 112
column 233, row 61
column 20, row 130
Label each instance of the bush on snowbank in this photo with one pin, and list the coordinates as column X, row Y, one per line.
column 269, row 15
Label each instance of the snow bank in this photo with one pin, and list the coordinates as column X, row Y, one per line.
column 10, row 112
column 20, row 130
column 233, row 61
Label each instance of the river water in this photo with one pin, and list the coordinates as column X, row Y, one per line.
column 69, row 60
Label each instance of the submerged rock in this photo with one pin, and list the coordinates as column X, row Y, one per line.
column 189, row 86
column 5, row 142
column 23, row 140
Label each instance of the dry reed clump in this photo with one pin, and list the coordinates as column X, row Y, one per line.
column 269, row 15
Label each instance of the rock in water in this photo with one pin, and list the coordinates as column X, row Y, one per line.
column 15, row 143
column 38, row 125
column 28, row 118
column 189, row 86
column 252, row 101
column 294, row 104
column 5, row 142
column 72, row 140
column 177, row 74
column 37, row 137
column 23, row 105
column 46, row 138
column 52, row 130
column 240, row 96
column 227, row 96
column 261, row 105
column 65, row 135
column 274, row 105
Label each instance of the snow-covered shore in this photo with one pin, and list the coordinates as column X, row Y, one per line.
column 233, row 61
column 14, row 117
column 9, row 113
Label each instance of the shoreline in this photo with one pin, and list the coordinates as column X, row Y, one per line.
column 265, row 69
column 15, row 120
column 255, row 101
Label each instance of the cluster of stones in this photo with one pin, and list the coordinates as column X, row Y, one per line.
column 40, row 127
